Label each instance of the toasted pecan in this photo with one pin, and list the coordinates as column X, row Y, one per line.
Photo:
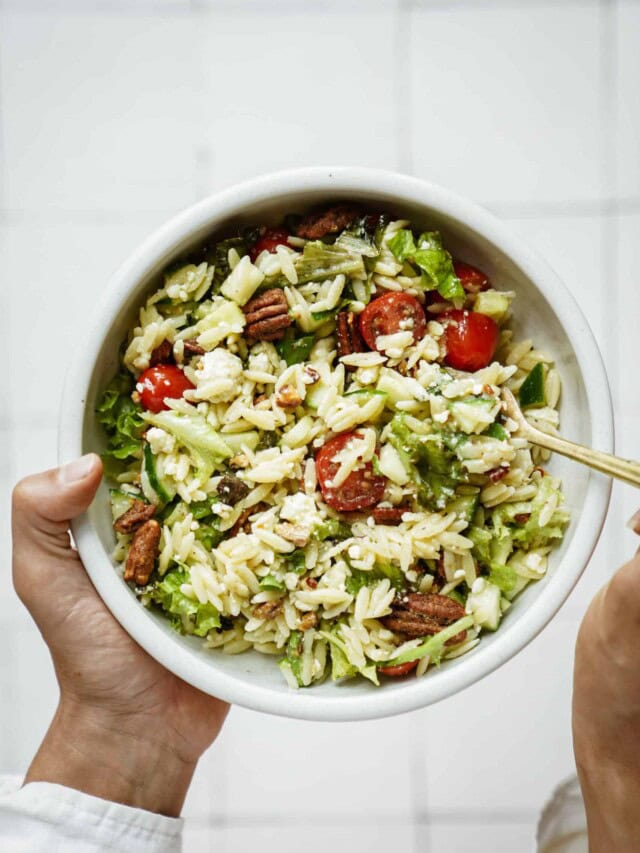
column 348, row 337
column 318, row 224
column 134, row 517
column 287, row 397
column 192, row 347
column 420, row 614
column 141, row 559
column 309, row 620
column 268, row 610
column 162, row 354
column 388, row 514
column 267, row 315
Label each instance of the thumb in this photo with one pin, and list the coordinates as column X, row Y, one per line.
column 43, row 505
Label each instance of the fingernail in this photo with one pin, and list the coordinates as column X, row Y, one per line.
column 77, row 470
column 634, row 522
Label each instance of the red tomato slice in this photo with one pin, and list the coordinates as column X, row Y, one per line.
column 471, row 339
column 398, row 669
column 471, row 278
column 360, row 490
column 271, row 237
column 393, row 312
column 159, row 382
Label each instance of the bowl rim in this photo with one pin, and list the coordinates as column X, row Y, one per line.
column 301, row 704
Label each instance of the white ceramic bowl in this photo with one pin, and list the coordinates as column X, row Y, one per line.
column 544, row 310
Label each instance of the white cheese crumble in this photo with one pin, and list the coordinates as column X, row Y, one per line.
column 160, row 441
column 219, row 374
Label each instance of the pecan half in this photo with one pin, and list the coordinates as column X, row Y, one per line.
column 268, row 610
column 141, row 559
column 267, row 315
column 287, row 397
column 496, row 474
column 134, row 517
column 316, row 225
column 231, row 490
column 388, row 514
column 293, row 533
column 242, row 524
column 192, row 347
column 162, row 354
column 309, row 620
column 348, row 337
column 424, row 614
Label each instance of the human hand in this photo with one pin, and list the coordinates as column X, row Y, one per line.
column 126, row 729
column 606, row 711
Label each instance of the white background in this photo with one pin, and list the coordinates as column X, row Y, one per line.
column 114, row 115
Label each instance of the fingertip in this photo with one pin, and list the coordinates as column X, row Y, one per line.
column 83, row 468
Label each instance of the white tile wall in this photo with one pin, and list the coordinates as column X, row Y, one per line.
column 113, row 116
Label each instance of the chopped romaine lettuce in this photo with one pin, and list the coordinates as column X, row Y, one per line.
column 433, row 260
column 339, row 649
column 380, row 571
column 332, row 529
column 319, row 262
column 434, row 647
column 121, row 419
column 272, row 583
column 205, row 446
column 189, row 616
column 496, row 430
column 296, row 561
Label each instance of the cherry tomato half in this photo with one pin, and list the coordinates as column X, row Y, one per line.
column 471, row 278
column 159, row 382
column 393, row 312
column 360, row 490
column 267, row 242
column 471, row 339
column 398, row 669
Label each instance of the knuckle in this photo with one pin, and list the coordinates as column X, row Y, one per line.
column 23, row 496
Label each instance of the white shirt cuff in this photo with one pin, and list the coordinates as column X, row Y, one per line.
column 45, row 816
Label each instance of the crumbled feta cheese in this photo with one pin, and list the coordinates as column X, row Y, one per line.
column 301, row 509
column 219, row 376
column 160, row 441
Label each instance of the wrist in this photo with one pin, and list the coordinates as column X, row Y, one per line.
column 119, row 757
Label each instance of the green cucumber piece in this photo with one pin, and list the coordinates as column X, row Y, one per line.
column 493, row 304
column 156, row 490
column 464, row 506
column 497, row 431
column 120, row 502
column 532, row 389
column 235, row 440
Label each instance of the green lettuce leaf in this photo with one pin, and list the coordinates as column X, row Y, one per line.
column 121, row 418
column 188, row 616
column 434, row 646
column 432, row 259
column 205, row 446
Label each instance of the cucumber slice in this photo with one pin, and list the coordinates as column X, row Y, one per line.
column 235, row 440
column 493, row 304
column 120, row 502
column 156, row 490
column 484, row 605
column 532, row 389
column 497, row 431
column 464, row 506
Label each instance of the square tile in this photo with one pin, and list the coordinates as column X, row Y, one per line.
column 504, row 100
column 98, row 110
column 576, row 247
column 504, row 743
column 327, row 95
column 319, row 838
column 55, row 292
column 627, row 127
column 275, row 766
column 481, row 837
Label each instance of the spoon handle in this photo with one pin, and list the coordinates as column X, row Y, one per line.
column 607, row 463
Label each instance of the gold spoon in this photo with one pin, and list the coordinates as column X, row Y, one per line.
column 607, row 463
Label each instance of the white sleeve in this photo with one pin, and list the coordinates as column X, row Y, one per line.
column 53, row 819
column 563, row 824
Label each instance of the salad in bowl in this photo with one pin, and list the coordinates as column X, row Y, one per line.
column 308, row 454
